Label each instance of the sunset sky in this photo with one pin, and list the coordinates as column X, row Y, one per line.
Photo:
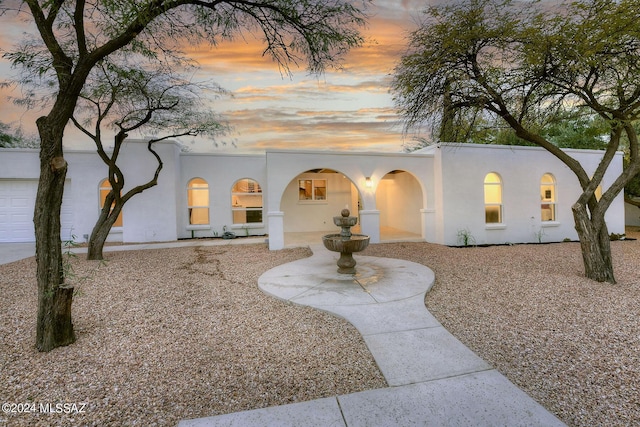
column 349, row 109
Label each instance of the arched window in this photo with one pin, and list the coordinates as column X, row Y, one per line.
column 246, row 201
column 548, row 197
column 198, row 201
column 493, row 198
column 105, row 188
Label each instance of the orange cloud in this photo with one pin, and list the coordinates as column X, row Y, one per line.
column 343, row 109
column 384, row 43
column 367, row 129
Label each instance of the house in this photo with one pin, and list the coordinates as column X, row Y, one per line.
column 496, row 194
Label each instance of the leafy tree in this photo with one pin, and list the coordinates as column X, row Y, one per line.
column 7, row 137
column 10, row 138
column 73, row 36
column 528, row 63
column 575, row 130
column 152, row 99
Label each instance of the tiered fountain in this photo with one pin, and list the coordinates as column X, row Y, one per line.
column 346, row 243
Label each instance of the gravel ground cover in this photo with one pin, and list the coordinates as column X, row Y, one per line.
column 570, row 343
column 170, row 334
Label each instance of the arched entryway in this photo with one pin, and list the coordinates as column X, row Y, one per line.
column 399, row 198
column 311, row 200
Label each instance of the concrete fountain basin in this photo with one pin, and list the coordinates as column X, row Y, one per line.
column 336, row 243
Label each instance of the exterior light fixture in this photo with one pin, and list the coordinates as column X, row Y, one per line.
column 368, row 183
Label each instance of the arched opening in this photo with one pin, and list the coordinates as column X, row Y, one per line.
column 310, row 202
column 399, row 199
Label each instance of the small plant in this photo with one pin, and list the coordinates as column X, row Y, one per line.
column 538, row 234
column 227, row 234
column 465, row 238
column 615, row 236
column 68, row 256
column 566, row 239
column 215, row 233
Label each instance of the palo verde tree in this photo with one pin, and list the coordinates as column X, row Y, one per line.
column 526, row 63
column 150, row 99
column 73, row 36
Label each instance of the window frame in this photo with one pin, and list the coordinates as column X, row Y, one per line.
column 314, row 190
column 191, row 206
column 500, row 205
column 551, row 201
column 253, row 189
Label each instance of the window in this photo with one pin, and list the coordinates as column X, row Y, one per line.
column 548, row 197
column 598, row 192
column 493, row 198
column 312, row 189
column 105, row 188
column 246, row 202
column 198, row 201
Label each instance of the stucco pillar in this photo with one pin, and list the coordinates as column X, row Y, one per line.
column 428, row 220
column 276, row 230
column 370, row 224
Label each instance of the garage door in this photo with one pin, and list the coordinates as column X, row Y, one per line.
column 17, row 200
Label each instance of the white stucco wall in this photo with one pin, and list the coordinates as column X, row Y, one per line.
column 149, row 216
column 464, row 167
column 441, row 193
column 83, row 169
column 220, row 171
column 16, row 163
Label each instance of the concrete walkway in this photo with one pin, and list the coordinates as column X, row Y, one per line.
column 434, row 380
column 10, row 252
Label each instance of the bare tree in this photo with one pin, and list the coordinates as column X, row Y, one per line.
column 150, row 99
column 73, row 36
column 526, row 63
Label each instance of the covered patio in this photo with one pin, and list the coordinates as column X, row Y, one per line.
column 387, row 234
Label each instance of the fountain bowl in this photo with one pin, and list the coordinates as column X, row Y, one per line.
column 346, row 242
column 336, row 243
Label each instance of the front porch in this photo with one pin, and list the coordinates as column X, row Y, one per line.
column 387, row 234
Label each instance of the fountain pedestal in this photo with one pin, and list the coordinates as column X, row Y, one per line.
column 346, row 243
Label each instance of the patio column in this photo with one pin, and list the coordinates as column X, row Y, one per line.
column 276, row 230
column 428, row 225
column 370, row 224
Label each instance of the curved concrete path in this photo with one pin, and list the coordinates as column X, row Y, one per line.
column 434, row 380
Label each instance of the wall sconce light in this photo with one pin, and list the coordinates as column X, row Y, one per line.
column 368, row 183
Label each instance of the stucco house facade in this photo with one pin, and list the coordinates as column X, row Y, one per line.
column 496, row 194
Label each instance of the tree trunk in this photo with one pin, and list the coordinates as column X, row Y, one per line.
column 96, row 244
column 595, row 244
column 54, row 326
column 100, row 233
